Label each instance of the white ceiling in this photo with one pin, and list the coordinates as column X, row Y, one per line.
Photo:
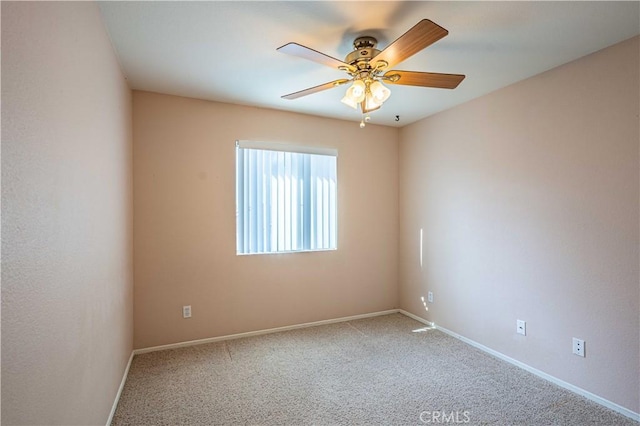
column 226, row 50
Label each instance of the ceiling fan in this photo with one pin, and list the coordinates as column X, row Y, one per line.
column 368, row 67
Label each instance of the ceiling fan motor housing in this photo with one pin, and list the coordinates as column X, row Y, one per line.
column 365, row 50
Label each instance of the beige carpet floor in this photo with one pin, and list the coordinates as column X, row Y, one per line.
column 386, row 370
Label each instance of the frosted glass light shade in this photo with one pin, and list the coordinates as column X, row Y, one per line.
column 379, row 92
column 350, row 102
column 355, row 94
column 370, row 104
column 357, row 91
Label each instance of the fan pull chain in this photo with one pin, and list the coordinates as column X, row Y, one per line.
column 365, row 119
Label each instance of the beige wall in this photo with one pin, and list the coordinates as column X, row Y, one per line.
column 184, row 242
column 67, row 277
column 528, row 200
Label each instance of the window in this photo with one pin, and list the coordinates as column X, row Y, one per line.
column 285, row 198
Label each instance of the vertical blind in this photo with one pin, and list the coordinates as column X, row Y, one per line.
column 285, row 198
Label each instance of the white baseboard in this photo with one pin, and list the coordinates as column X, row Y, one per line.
column 415, row 317
column 261, row 332
column 593, row 397
column 122, row 382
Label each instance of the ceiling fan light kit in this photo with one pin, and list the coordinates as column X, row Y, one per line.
column 368, row 67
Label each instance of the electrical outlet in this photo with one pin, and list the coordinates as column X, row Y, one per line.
column 430, row 297
column 521, row 327
column 186, row 311
column 578, row 347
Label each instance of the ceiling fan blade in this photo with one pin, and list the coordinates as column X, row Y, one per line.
column 424, row 79
column 423, row 34
column 315, row 89
column 301, row 51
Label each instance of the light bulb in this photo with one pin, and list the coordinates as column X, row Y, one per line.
column 358, row 90
column 367, row 119
column 362, row 124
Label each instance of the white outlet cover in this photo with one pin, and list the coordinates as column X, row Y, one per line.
column 521, row 327
column 430, row 297
column 578, row 347
column 186, row 311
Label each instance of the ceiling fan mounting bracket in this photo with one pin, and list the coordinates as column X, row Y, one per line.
column 392, row 78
